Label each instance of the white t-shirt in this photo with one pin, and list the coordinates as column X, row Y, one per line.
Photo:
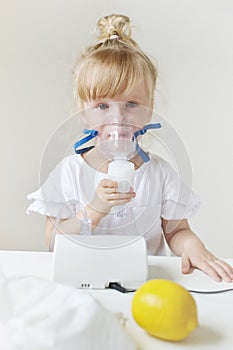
column 159, row 194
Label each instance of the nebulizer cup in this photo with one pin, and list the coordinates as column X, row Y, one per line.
column 122, row 171
column 116, row 142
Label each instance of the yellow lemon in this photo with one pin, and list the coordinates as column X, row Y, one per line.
column 165, row 309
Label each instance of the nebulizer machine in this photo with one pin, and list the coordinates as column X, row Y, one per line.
column 95, row 260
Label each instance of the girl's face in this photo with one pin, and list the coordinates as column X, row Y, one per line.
column 133, row 110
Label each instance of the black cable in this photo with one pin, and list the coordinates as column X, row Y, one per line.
column 120, row 288
column 210, row 291
column 117, row 286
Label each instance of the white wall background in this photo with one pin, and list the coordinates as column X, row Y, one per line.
column 192, row 43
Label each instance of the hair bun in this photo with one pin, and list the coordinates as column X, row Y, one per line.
column 118, row 25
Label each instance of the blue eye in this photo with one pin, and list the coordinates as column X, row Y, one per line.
column 102, row 106
column 131, row 104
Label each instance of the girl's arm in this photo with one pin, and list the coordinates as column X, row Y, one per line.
column 72, row 225
column 183, row 242
column 106, row 197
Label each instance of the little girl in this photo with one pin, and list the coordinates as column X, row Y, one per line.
column 116, row 75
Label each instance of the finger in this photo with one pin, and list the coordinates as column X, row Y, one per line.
column 220, row 270
column 108, row 183
column 110, row 190
column 186, row 264
column 209, row 270
column 120, row 196
column 228, row 268
column 114, row 190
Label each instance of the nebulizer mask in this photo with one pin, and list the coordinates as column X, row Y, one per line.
column 117, row 129
column 116, row 143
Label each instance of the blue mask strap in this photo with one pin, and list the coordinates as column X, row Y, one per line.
column 142, row 131
column 91, row 134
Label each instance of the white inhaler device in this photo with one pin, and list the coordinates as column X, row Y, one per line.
column 122, row 171
column 120, row 147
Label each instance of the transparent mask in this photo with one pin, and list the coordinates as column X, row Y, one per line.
column 116, row 141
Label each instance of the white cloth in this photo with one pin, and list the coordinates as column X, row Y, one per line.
column 159, row 194
column 36, row 314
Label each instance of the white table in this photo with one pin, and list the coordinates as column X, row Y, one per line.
column 215, row 311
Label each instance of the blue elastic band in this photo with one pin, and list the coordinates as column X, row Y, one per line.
column 142, row 131
column 91, row 134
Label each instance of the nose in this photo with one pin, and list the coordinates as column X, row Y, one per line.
column 117, row 113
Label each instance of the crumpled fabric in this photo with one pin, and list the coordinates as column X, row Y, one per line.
column 36, row 314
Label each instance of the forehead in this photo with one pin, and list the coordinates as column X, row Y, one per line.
column 137, row 92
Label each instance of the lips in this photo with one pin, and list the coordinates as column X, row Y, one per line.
column 120, row 135
column 119, row 132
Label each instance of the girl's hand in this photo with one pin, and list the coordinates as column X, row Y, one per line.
column 183, row 242
column 197, row 256
column 107, row 196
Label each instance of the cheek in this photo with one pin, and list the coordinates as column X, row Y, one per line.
column 91, row 118
column 140, row 119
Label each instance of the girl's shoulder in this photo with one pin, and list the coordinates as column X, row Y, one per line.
column 67, row 168
column 155, row 159
column 159, row 165
column 72, row 161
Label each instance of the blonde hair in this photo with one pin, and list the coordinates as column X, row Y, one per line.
column 115, row 65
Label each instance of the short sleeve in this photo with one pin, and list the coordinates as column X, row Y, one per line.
column 57, row 196
column 178, row 200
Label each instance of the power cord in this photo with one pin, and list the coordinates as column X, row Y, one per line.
column 117, row 286
column 211, row 291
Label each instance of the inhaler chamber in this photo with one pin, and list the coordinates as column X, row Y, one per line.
column 116, row 140
column 117, row 143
